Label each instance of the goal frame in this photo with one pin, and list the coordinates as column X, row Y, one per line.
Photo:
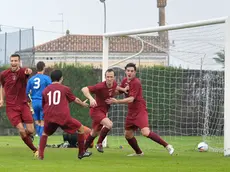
column 222, row 20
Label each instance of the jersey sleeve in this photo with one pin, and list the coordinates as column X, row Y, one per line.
column 95, row 88
column 134, row 89
column 69, row 95
column 43, row 99
column 48, row 81
column 28, row 87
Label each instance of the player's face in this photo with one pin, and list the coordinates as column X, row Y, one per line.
column 109, row 78
column 15, row 63
column 130, row 73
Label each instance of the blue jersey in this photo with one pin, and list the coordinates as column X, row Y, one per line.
column 36, row 85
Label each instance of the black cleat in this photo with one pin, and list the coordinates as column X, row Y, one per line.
column 99, row 147
column 85, row 154
column 32, row 138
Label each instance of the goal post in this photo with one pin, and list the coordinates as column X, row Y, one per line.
column 168, row 90
column 227, row 90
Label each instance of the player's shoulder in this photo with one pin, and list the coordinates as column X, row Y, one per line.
column 5, row 72
column 32, row 77
column 115, row 83
column 100, row 85
column 124, row 80
column 136, row 81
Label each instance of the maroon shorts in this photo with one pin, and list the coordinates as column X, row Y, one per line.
column 19, row 114
column 137, row 120
column 70, row 127
column 97, row 116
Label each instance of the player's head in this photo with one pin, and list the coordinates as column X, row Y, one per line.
column 130, row 71
column 109, row 77
column 56, row 76
column 41, row 66
column 15, row 62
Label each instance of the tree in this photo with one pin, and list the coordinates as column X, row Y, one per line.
column 220, row 57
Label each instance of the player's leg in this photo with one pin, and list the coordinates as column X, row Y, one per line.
column 28, row 120
column 72, row 127
column 129, row 135
column 130, row 127
column 87, row 132
column 25, row 136
column 41, row 122
column 49, row 129
column 155, row 137
column 37, row 126
column 96, row 127
column 107, row 123
column 89, row 140
column 142, row 122
column 36, row 117
column 14, row 116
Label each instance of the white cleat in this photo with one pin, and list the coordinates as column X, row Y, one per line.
column 135, row 154
column 170, row 149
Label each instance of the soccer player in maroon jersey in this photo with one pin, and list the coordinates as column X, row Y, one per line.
column 137, row 116
column 99, row 108
column 13, row 88
column 55, row 102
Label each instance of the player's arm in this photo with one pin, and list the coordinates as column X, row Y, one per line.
column 134, row 88
column 28, row 71
column 2, row 92
column 28, row 88
column 120, row 101
column 82, row 103
column 72, row 98
column 120, row 90
column 87, row 93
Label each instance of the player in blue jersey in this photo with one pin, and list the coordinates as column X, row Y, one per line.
column 35, row 86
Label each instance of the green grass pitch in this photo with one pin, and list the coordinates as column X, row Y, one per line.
column 16, row 157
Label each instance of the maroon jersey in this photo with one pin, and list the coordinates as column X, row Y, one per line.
column 135, row 90
column 102, row 92
column 14, row 84
column 55, row 103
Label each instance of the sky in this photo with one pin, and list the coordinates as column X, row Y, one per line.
column 86, row 16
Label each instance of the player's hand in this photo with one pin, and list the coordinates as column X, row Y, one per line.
column 92, row 102
column 31, row 107
column 28, row 71
column 126, row 89
column 84, row 104
column 1, row 103
column 111, row 101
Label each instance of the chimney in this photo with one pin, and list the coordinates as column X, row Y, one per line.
column 163, row 35
column 161, row 4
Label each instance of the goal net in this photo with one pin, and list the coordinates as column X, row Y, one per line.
column 181, row 68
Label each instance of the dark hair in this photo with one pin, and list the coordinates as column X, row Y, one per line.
column 56, row 75
column 40, row 66
column 109, row 70
column 131, row 65
column 15, row 55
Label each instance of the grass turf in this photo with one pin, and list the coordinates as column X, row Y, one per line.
column 16, row 157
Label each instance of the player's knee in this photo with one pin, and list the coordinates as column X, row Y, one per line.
column 109, row 125
column 145, row 132
column 30, row 131
column 81, row 130
column 129, row 134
